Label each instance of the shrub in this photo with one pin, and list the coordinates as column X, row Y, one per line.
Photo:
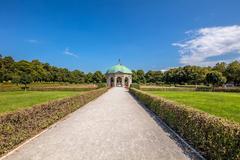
column 135, row 85
column 213, row 137
column 167, row 89
column 17, row 126
column 205, row 88
column 218, row 89
column 101, row 85
column 59, row 89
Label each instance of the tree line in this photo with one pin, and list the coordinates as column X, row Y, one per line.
column 217, row 75
column 35, row 71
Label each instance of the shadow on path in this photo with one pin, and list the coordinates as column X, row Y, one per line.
column 187, row 149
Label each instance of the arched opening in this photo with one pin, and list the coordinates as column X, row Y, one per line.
column 119, row 82
column 126, row 82
column 112, row 82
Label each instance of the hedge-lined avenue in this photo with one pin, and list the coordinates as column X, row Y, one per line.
column 214, row 137
column 17, row 126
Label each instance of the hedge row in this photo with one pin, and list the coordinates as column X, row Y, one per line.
column 226, row 89
column 219, row 89
column 135, row 85
column 213, row 137
column 17, row 126
column 167, row 89
column 60, row 89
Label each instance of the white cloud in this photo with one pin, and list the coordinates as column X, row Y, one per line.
column 207, row 43
column 32, row 41
column 67, row 52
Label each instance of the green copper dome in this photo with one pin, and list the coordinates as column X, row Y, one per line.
column 119, row 68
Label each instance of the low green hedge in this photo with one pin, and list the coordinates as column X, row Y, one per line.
column 60, row 89
column 18, row 126
column 135, row 85
column 167, row 89
column 226, row 89
column 213, row 137
column 219, row 89
column 101, row 85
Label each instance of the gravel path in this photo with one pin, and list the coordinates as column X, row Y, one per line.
column 112, row 127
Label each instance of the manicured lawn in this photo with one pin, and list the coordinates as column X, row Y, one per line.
column 221, row 104
column 10, row 101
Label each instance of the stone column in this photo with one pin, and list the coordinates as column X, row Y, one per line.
column 115, row 81
column 129, row 81
column 108, row 81
column 123, row 81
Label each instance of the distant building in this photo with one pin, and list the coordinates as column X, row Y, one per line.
column 119, row 76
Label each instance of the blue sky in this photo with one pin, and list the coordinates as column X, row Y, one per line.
column 145, row 34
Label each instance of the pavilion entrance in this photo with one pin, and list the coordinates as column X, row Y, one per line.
column 119, row 82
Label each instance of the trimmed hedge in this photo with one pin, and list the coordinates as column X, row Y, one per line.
column 60, row 89
column 135, row 85
column 226, row 89
column 219, row 89
column 18, row 126
column 167, row 89
column 213, row 137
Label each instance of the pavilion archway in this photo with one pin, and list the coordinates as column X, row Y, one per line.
column 119, row 82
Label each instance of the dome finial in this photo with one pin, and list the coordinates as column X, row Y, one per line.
column 119, row 61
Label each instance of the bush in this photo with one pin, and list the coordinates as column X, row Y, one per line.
column 17, row 126
column 101, row 85
column 59, row 89
column 206, row 88
column 135, row 85
column 213, row 137
column 219, row 89
column 167, row 89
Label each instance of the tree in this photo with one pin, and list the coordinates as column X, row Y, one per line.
column 1, row 69
column 98, row 77
column 89, row 78
column 233, row 72
column 170, row 76
column 7, row 67
column 16, row 79
column 25, row 79
column 154, row 77
column 220, row 67
column 215, row 78
column 77, row 77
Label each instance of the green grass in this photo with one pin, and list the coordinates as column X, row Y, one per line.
column 11, row 101
column 226, row 105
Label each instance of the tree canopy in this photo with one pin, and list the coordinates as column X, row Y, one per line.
column 13, row 71
column 10, row 70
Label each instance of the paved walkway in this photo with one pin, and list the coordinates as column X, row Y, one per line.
column 112, row 127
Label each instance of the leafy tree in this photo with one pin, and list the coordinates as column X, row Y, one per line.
column 89, row 78
column 1, row 69
column 77, row 77
column 149, row 76
column 7, row 67
column 43, row 72
column 170, row 76
column 233, row 72
column 16, row 79
column 25, row 79
column 220, row 67
column 215, row 78
column 154, row 77
column 98, row 77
